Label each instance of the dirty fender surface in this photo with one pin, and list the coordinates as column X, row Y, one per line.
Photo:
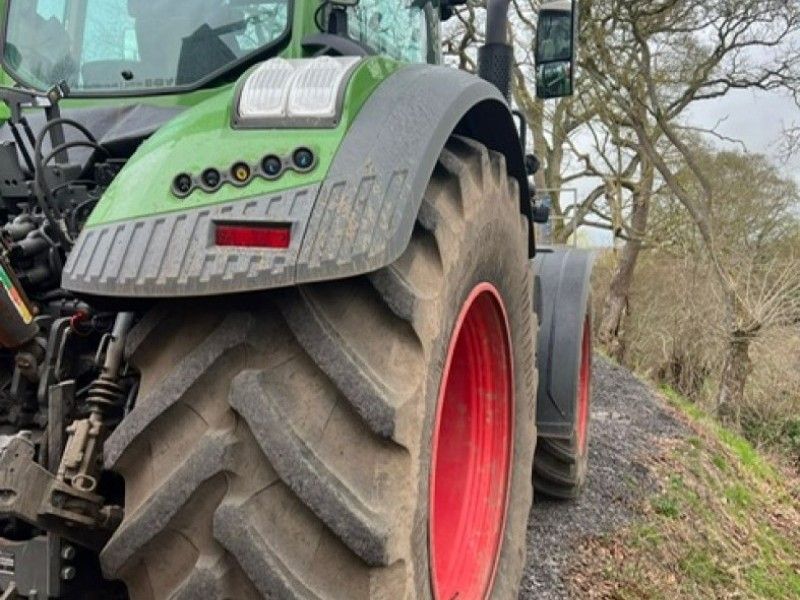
column 357, row 220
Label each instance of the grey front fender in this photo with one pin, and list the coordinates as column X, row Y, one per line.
column 563, row 276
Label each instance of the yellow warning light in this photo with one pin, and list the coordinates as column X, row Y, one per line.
column 241, row 172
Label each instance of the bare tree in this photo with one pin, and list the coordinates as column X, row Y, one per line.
column 577, row 140
column 755, row 228
column 658, row 58
column 648, row 63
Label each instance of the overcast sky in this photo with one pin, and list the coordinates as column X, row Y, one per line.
column 756, row 118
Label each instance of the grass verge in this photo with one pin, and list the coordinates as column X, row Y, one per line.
column 723, row 523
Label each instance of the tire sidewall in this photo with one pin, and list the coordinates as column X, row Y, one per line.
column 494, row 252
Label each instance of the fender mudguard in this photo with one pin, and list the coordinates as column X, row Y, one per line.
column 365, row 212
column 358, row 220
column 563, row 277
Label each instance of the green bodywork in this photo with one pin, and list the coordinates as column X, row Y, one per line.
column 202, row 137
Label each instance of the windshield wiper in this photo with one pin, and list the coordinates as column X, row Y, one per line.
column 234, row 27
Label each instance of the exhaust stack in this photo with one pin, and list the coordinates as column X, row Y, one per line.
column 496, row 56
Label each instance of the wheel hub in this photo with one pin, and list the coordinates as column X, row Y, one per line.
column 584, row 383
column 472, row 449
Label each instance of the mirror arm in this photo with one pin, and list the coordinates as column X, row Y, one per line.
column 523, row 129
column 447, row 7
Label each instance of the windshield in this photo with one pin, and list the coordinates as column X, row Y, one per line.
column 397, row 28
column 135, row 45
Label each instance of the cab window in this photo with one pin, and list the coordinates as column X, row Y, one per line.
column 51, row 8
column 407, row 30
column 110, row 32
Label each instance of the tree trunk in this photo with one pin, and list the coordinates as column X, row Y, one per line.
column 616, row 304
column 735, row 370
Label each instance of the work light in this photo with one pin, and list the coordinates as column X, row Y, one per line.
column 289, row 93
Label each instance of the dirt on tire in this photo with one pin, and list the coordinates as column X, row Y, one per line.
column 280, row 447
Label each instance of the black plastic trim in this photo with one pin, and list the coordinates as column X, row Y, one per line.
column 256, row 170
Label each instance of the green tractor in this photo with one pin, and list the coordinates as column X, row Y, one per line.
column 268, row 303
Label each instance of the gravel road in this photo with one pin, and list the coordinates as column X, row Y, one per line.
column 628, row 421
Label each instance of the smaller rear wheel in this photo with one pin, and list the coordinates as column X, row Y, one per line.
column 561, row 466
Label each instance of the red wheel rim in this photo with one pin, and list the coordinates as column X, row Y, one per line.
column 584, row 386
column 472, row 449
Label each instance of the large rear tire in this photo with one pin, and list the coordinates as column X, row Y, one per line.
column 281, row 444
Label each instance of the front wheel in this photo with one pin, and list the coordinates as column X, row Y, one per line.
column 561, row 466
column 361, row 439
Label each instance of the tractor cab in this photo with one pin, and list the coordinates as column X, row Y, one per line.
column 141, row 47
column 130, row 47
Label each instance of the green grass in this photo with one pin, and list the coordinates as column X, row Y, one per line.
column 723, row 524
column 666, row 506
column 701, row 568
column 720, row 462
column 748, row 455
column 677, row 400
column 765, row 584
column 743, row 449
column 782, row 435
column 739, row 496
column 771, row 577
column 649, row 535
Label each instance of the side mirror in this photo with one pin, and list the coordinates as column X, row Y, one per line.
column 541, row 213
column 556, row 49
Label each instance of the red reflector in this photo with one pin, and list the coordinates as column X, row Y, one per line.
column 254, row 236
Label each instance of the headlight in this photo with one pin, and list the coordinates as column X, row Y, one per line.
column 306, row 92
